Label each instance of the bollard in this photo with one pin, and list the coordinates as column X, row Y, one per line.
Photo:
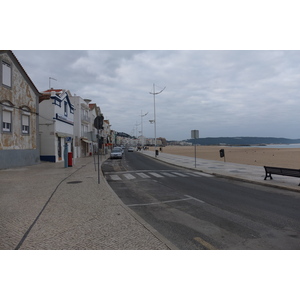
column 70, row 159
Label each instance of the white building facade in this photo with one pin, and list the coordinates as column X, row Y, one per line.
column 56, row 122
column 82, row 127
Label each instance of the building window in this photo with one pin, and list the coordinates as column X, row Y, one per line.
column 6, row 74
column 6, row 121
column 25, row 120
column 6, row 113
column 66, row 108
column 25, row 124
column 82, row 130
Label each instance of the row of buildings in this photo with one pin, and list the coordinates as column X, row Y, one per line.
column 44, row 125
column 50, row 125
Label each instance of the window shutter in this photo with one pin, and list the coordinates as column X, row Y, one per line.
column 6, row 74
column 6, row 116
column 25, row 120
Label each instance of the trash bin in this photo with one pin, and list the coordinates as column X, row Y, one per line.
column 222, row 153
column 70, row 159
column 156, row 152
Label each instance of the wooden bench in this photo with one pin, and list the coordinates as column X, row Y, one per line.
column 281, row 171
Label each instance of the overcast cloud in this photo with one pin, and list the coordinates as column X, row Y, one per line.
column 219, row 93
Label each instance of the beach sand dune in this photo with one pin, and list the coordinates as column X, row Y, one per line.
column 275, row 157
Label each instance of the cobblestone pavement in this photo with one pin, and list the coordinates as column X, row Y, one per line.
column 47, row 206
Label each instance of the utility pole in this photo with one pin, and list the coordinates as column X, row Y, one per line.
column 155, row 114
column 142, row 126
column 136, row 129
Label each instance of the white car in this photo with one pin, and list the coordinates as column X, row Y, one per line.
column 130, row 149
column 120, row 148
column 116, row 153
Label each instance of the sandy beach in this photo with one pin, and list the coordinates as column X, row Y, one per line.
column 275, row 157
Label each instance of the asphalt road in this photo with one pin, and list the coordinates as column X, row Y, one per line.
column 199, row 211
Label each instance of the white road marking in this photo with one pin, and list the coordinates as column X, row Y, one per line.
column 191, row 174
column 180, row 174
column 129, row 176
column 143, row 175
column 203, row 174
column 156, row 175
column 168, row 201
column 193, row 198
column 168, row 174
column 115, row 177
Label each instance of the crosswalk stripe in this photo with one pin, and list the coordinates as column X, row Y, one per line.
column 129, row 176
column 169, row 174
column 203, row 174
column 180, row 174
column 194, row 175
column 143, row 175
column 156, row 175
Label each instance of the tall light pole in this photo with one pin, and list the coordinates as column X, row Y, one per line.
column 136, row 129
column 142, row 126
column 155, row 114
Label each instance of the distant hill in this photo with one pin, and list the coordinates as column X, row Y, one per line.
column 242, row 141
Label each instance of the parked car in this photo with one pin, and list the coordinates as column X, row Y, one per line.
column 116, row 153
column 120, row 148
column 130, row 149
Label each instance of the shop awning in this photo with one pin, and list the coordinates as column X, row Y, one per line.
column 85, row 140
column 63, row 134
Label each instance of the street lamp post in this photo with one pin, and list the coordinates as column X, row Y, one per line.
column 155, row 114
column 142, row 126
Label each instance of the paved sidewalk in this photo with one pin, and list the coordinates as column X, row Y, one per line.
column 47, row 206
column 248, row 173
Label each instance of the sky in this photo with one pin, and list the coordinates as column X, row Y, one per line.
column 226, row 68
column 218, row 92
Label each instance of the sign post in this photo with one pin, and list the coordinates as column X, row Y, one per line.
column 98, row 124
column 195, row 135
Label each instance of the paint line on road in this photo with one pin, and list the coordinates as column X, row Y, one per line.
column 194, row 175
column 115, row 177
column 168, row 174
column 180, row 174
column 156, row 175
column 204, row 243
column 143, row 175
column 162, row 202
column 193, row 198
column 203, row 174
column 188, row 198
column 129, row 176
